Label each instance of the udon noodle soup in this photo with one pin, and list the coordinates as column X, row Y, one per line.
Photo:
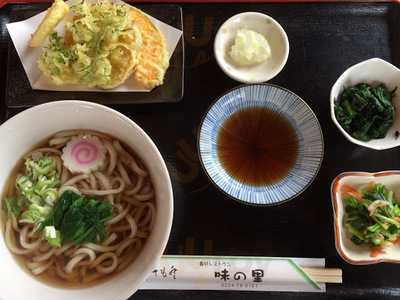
column 78, row 208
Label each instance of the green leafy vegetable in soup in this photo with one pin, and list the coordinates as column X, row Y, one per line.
column 35, row 214
column 78, row 219
column 36, row 191
column 69, row 218
column 12, row 206
column 372, row 215
column 365, row 112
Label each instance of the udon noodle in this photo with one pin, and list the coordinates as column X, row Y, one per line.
column 123, row 181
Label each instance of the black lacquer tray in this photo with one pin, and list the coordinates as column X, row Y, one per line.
column 325, row 39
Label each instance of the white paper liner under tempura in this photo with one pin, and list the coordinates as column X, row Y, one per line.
column 21, row 32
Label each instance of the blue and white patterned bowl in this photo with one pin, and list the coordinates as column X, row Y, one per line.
column 288, row 105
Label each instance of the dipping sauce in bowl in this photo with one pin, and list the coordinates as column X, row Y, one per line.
column 261, row 144
column 257, row 146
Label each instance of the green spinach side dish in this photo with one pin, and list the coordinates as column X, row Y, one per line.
column 366, row 112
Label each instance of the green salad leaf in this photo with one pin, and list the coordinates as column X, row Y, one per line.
column 374, row 218
column 365, row 112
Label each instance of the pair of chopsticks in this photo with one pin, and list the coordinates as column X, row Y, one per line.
column 322, row 275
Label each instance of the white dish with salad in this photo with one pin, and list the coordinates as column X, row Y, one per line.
column 366, row 211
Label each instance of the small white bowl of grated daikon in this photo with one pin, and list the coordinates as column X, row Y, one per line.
column 251, row 47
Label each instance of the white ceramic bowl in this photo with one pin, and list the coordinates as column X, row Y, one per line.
column 262, row 24
column 22, row 132
column 371, row 71
column 353, row 254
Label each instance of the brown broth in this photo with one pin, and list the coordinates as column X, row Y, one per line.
column 257, row 146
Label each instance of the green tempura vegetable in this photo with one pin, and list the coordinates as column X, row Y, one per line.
column 365, row 112
column 373, row 218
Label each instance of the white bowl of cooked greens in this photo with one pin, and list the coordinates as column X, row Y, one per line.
column 367, row 216
column 86, row 203
column 364, row 104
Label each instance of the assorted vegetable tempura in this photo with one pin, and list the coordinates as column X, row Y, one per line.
column 103, row 45
column 54, row 15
